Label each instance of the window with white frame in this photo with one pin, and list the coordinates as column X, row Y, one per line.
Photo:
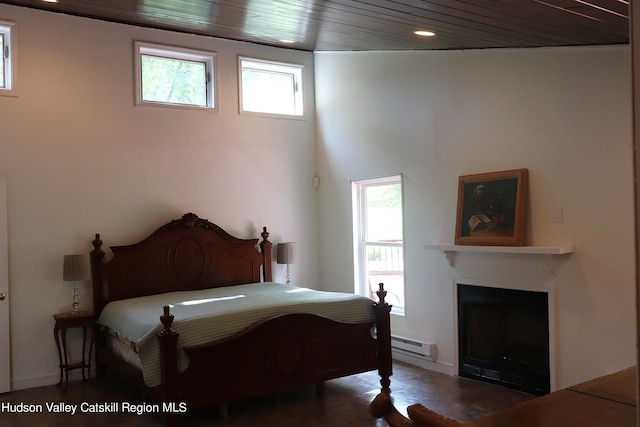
column 7, row 55
column 270, row 88
column 378, row 239
column 175, row 76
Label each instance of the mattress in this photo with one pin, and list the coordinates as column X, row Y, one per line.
column 209, row 315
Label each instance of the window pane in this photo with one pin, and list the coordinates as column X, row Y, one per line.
column 384, row 213
column 173, row 81
column 2, row 62
column 271, row 87
column 7, row 55
column 385, row 264
column 268, row 92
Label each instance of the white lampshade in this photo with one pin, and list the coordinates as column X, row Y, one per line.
column 286, row 253
column 76, row 268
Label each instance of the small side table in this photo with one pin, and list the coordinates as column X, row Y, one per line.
column 64, row 321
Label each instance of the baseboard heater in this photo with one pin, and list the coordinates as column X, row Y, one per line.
column 421, row 350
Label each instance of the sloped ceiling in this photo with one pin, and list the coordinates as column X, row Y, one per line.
column 355, row 25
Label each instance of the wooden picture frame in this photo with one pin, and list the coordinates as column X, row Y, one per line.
column 491, row 208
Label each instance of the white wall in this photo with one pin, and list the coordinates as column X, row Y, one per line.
column 79, row 158
column 565, row 114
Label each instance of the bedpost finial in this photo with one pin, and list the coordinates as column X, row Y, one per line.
column 381, row 293
column 97, row 254
column 167, row 320
column 265, row 233
column 97, row 242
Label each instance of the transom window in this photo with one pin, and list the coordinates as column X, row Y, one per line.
column 270, row 88
column 7, row 59
column 174, row 76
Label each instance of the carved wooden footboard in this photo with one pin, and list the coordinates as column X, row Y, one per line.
column 277, row 354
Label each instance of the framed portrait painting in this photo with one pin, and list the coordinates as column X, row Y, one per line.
column 491, row 208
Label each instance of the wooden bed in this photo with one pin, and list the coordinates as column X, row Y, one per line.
column 278, row 353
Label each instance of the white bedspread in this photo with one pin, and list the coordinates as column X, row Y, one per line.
column 208, row 315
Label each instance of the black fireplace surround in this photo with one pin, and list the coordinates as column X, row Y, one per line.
column 504, row 337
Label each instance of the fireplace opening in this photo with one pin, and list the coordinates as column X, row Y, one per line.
column 504, row 337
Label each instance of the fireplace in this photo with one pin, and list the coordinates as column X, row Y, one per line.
column 504, row 337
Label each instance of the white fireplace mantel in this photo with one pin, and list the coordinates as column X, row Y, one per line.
column 549, row 253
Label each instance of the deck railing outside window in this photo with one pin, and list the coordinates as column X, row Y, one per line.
column 385, row 263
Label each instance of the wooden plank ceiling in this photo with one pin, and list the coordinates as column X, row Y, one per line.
column 356, row 25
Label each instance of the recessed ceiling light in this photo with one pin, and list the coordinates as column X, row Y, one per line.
column 424, row 33
column 50, row 1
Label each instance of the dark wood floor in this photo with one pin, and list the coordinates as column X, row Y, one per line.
column 344, row 403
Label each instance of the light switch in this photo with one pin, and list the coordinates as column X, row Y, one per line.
column 557, row 213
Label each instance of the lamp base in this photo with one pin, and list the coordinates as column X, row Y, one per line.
column 76, row 298
column 288, row 275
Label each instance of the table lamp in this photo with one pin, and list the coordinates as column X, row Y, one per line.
column 76, row 268
column 286, row 255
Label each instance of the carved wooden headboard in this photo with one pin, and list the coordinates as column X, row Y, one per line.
column 189, row 253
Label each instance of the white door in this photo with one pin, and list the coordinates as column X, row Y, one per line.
column 5, row 352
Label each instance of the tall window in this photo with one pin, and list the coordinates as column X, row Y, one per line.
column 174, row 76
column 378, row 238
column 270, row 88
column 3, row 82
column 7, row 59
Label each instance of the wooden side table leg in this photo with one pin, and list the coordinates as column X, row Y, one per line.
column 84, row 349
column 92, row 341
column 66, row 357
column 57, row 338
